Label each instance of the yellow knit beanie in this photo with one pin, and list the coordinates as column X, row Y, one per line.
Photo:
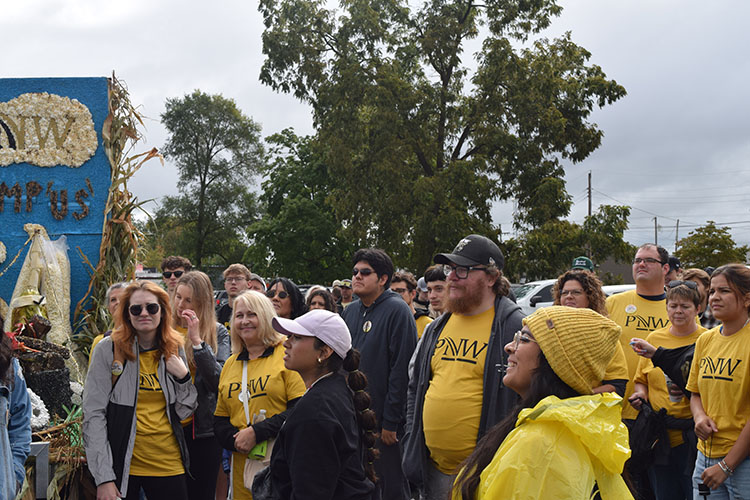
column 578, row 343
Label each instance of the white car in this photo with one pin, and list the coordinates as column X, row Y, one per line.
column 534, row 294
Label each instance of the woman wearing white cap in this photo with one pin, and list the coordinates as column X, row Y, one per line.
column 561, row 439
column 324, row 450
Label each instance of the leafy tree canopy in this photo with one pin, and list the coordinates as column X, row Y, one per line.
column 298, row 234
column 546, row 251
column 709, row 245
column 419, row 138
column 217, row 150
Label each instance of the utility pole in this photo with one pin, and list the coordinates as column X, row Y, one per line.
column 589, row 193
column 588, row 243
column 656, row 233
column 676, row 235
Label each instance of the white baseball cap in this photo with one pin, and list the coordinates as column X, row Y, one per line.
column 324, row 325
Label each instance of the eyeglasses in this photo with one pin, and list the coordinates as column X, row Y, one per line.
column 366, row 271
column 647, row 260
column 168, row 274
column 234, row 280
column 574, row 293
column 400, row 290
column 272, row 293
column 462, row 272
column 690, row 284
column 137, row 309
column 519, row 337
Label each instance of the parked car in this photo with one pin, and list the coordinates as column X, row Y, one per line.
column 613, row 289
column 533, row 295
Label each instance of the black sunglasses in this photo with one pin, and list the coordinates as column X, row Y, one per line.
column 690, row 284
column 272, row 293
column 168, row 274
column 137, row 309
column 366, row 271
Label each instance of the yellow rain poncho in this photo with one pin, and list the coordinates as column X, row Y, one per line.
column 558, row 449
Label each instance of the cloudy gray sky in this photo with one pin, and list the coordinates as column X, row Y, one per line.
column 676, row 147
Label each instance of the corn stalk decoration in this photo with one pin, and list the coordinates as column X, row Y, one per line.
column 117, row 254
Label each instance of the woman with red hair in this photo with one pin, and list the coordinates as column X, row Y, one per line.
column 137, row 390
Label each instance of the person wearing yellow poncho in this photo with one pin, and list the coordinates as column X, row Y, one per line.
column 561, row 441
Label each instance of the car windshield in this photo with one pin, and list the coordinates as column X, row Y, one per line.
column 524, row 290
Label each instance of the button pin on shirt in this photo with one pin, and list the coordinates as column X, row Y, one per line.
column 367, row 326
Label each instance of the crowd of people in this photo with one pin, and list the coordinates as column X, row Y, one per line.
column 388, row 386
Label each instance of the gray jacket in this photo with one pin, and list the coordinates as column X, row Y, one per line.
column 109, row 416
column 497, row 400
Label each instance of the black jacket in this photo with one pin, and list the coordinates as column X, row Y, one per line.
column 319, row 452
column 207, row 372
column 385, row 350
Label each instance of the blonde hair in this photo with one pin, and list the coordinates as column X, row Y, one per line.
column 123, row 334
column 203, row 305
column 262, row 306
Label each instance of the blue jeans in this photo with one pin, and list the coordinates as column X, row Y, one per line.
column 671, row 482
column 736, row 487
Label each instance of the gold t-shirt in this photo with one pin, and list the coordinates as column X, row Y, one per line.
column 453, row 403
column 422, row 323
column 269, row 385
column 637, row 317
column 653, row 377
column 155, row 452
column 720, row 374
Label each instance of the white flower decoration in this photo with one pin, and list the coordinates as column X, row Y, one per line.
column 39, row 413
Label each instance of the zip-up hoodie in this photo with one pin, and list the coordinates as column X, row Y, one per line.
column 109, row 416
column 385, row 335
column 497, row 400
column 15, row 430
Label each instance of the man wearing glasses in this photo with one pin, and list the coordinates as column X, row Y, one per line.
column 172, row 268
column 384, row 332
column 236, row 280
column 455, row 393
column 643, row 310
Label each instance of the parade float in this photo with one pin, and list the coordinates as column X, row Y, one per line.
column 67, row 151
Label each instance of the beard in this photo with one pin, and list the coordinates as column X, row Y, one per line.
column 466, row 303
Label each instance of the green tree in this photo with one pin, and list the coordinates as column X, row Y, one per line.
column 420, row 144
column 709, row 245
column 298, row 234
column 546, row 251
column 217, row 150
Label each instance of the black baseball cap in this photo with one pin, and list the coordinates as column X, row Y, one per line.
column 473, row 250
column 674, row 263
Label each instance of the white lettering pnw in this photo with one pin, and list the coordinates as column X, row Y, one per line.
column 46, row 130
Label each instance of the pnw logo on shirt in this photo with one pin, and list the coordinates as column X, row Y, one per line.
column 256, row 387
column 645, row 323
column 149, row 382
column 718, row 369
column 466, row 351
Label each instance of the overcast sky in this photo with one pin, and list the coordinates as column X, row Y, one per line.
column 676, row 147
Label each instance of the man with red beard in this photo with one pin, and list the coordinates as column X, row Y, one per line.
column 455, row 394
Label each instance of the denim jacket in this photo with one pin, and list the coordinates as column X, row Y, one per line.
column 15, row 431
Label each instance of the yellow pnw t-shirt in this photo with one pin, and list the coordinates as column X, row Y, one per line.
column 155, row 452
column 269, row 385
column 453, row 403
column 653, row 377
column 720, row 374
column 422, row 323
column 637, row 317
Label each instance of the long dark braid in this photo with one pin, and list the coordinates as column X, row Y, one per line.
column 357, row 382
column 545, row 382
